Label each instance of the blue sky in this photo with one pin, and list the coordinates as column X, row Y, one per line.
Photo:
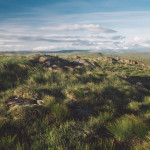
column 68, row 24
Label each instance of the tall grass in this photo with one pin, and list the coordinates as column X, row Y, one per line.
column 127, row 127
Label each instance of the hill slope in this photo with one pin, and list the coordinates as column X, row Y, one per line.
column 74, row 102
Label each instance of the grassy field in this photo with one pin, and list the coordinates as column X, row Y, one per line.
column 139, row 55
column 100, row 105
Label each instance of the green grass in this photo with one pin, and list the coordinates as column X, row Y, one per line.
column 86, row 108
column 127, row 127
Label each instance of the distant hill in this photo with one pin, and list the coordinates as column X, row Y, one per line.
column 43, row 52
column 144, row 55
column 130, row 54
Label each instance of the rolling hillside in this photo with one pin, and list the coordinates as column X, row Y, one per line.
column 72, row 101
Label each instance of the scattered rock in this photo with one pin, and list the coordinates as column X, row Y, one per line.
column 23, row 108
column 48, row 63
column 40, row 102
column 19, row 101
column 67, row 68
column 83, row 62
column 42, row 59
column 96, row 64
column 139, row 85
column 54, row 66
column 55, row 62
column 128, row 61
column 109, row 59
column 78, row 57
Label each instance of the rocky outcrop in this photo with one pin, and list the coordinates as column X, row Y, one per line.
column 129, row 61
column 14, row 101
column 23, row 108
column 125, row 61
column 133, row 62
column 109, row 59
column 83, row 62
column 55, row 62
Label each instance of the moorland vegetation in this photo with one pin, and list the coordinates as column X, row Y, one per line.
column 73, row 102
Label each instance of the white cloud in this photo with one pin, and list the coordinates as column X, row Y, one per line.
column 44, row 48
column 142, row 41
column 88, row 27
column 84, row 36
column 11, row 47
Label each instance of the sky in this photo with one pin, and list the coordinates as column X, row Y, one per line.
column 74, row 25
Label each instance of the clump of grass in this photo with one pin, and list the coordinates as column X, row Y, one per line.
column 70, row 134
column 95, row 125
column 26, row 91
column 82, row 146
column 107, row 144
column 27, row 113
column 145, row 144
column 128, row 126
column 60, row 112
column 147, row 100
column 7, row 143
column 134, row 105
column 39, row 78
column 11, row 74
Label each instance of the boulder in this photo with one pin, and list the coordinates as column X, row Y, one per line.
column 19, row 101
column 40, row 102
column 23, row 108
column 14, row 100
column 139, row 85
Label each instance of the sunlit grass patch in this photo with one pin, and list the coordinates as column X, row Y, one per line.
column 134, row 105
column 147, row 100
column 128, row 126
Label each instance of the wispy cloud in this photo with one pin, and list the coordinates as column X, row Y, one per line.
column 118, row 37
column 47, row 29
column 89, row 27
column 42, row 48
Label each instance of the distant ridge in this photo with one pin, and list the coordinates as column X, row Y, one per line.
column 32, row 52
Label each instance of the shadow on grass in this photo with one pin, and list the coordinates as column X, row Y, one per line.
column 16, row 128
column 11, row 74
column 144, row 80
column 91, row 78
column 120, row 100
column 56, row 92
